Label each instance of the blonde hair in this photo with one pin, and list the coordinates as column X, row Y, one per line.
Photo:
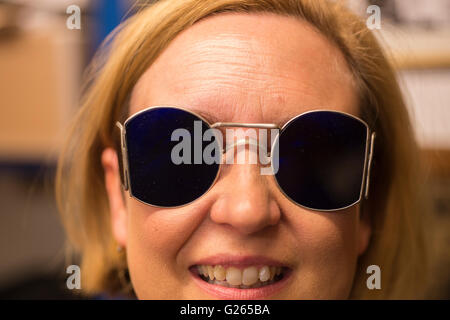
column 394, row 207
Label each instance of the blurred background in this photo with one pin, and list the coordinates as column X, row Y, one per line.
column 41, row 66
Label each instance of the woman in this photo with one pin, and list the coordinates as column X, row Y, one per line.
column 234, row 232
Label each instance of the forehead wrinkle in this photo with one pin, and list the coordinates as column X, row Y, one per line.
column 229, row 68
column 238, row 55
column 266, row 85
column 271, row 107
column 233, row 104
column 240, row 73
column 247, row 70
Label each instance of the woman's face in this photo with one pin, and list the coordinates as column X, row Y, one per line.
column 241, row 68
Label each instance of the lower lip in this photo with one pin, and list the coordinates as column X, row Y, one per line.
column 221, row 292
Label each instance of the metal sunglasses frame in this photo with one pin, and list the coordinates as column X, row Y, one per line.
column 369, row 149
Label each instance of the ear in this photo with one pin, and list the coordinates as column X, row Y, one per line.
column 113, row 186
column 364, row 230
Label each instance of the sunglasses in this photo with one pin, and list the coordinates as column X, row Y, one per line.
column 323, row 158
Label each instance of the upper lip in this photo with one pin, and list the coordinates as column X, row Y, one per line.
column 239, row 261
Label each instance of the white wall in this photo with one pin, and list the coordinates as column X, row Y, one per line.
column 428, row 96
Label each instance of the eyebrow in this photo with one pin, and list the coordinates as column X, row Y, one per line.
column 209, row 117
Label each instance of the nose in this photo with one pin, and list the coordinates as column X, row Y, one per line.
column 245, row 202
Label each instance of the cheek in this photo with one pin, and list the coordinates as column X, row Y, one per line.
column 144, row 253
column 154, row 239
column 328, row 251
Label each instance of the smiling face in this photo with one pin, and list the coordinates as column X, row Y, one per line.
column 241, row 68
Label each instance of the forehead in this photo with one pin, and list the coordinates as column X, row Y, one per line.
column 248, row 68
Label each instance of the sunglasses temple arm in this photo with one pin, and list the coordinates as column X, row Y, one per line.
column 123, row 165
column 369, row 164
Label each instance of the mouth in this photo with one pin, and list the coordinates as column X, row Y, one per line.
column 240, row 279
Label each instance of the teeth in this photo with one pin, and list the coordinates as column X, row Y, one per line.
column 210, row 272
column 202, row 270
column 234, row 276
column 272, row 272
column 264, row 273
column 250, row 277
column 219, row 273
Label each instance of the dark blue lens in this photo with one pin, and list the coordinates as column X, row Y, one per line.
column 154, row 177
column 321, row 160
